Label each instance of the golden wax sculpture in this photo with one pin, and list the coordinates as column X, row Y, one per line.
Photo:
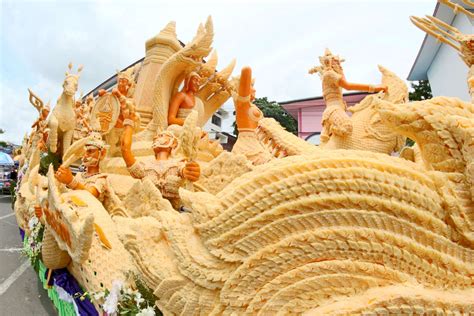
column 62, row 120
column 340, row 229
column 364, row 130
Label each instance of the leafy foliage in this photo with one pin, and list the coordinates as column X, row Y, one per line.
column 421, row 91
column 33, row 240
column 131, row 299
column 46, row 160
column 147, row 294
column 2, row 143
column 275, row 110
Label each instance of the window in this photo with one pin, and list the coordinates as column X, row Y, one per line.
column 216, row 120
column 314, row 138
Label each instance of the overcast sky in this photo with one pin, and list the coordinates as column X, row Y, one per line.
column 280, row 40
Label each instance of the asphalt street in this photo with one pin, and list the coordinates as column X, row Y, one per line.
column 21, row 292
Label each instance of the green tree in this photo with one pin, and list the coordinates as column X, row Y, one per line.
column 275, row 110
column 421, row 90
column 2, row 143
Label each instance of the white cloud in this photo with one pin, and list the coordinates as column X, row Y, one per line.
column 15, row 119
column 17, row 114
column 279, row 39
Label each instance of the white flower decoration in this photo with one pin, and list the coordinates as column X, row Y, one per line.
column 111, row 301
column 149, row 311
column 139, row 299
column 33, row 222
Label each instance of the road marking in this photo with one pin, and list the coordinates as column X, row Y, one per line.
column 11, row 224
column 6, row 216
column 11, row 250
column 13, row 277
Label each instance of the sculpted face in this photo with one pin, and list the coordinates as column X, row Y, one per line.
column 89, row 100
column 164, row 142
column 91, row 157
column 336, row 65
column 44, row 113
column 193, row 84
column 70, row 85
column 123, row 85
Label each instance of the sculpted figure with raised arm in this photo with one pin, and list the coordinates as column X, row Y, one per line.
column 335, row 119
column 247, row 117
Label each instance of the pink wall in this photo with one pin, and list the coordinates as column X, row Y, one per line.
column 310, row 120
column 309, row 112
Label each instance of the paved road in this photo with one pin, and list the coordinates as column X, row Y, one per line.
column 21, row 292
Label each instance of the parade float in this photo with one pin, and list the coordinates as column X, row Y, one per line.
column 127, row 207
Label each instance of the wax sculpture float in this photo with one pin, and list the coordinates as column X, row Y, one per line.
column 276, row 226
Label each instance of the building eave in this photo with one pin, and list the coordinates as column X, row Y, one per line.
column 294, row 107
column 430, row 46
column 319, row 98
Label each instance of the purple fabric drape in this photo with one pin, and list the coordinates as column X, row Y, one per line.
column 64, row 279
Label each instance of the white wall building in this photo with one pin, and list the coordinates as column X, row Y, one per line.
column 214, row 126
column 440, row 63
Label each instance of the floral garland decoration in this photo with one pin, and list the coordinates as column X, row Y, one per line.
column 122, row 300
column 34, row 240
column 21, row 174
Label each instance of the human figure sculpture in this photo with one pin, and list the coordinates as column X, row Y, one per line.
column 185, row 101
column 40, row 123
column 82, row 120
column 89, row 104
column 247, row 117
column 92, row 179
column 335, row 119
column 39, row 127
column 167, row 173
column 124, row 93
column 62, row 121
column 85, row 120
column 77, row 107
